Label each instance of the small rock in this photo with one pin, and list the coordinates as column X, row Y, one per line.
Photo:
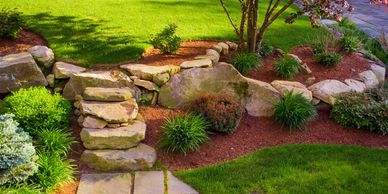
column 51, row 80
column 379, row 72
column 146, row 84
column 295, row 57
column 225, row 48
column 161, row 79
column 94, row 123
column 369, row 78
column 232, row 45
column 42, row 55
column 310, row 80
column 154, row 100
column 63, row 70
column 133, row 77
column 305, row 68
column 213, row 58
column 113, row 126
column 77, row 104
column 285, row 87
column 355, row 85
column 279, row 52
column 212, row 52
column 107, row 94
column 77, row 112
column 196, row 64
column 217, row 48
column 327, row 90
column 80, row 120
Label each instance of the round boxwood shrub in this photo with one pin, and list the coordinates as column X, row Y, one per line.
column 363, row 110
column 286, row 67
column 36, row 108
column 223, row 112
column 17, row 154
column 184, row 133
column 294, row 111
column 245, row 62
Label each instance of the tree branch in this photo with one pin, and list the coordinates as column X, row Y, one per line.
column 230, row 18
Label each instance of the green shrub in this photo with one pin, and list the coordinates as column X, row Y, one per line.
column 3, row 107
column 266, row 49
column 318, row 48
column 363, row 110
column 294, row 111
column 166, row 40
column 223, row 112
column 350, row 43
column 22, row 188
column 17, row 154
column 321, row 44
column 286, row 67
column 54, row 140
column 53, row 171
column 245, row 62
column 328, row 58
column 11, row 23
column 184, row 133
column 36, row 108
column 374, row 46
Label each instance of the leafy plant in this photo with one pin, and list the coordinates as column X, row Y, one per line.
column 36, row 108
column 363, row 110
column 266, row 49
column 223, row 112
column 349, row 43
column 294, row 111
column 286, row 67
column 17, row 154
column 166, row 40
column 324, row 43
column 184, row 133
column 22, row 188
column 54, row 140
column 11, row 23
column 328, row 58
column 245, row 62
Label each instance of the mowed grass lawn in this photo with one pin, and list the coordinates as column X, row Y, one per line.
column 94, row 32
column 296, row 169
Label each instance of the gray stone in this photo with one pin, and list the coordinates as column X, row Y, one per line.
column 42, row 55
column 50, row 80
column 225, row 48
column 19, row 71
column 104, row 79
column 369, row 78
column 327, row 90
column 196, row 63
column 232, row 45
column 107, row 94
column 113, row 112
column 118, row 138
column 147, row 72
column 379, row 72
column 93, row 122
column 305, row 68
column 217, row 48
column 213, row 58
column 63, row 70
column 105, row 183
column 161, row 79
column 295, row 57
column 146, row 84
column 143, row 180
column 355, row 85
column 285, row 87
column 137, row 158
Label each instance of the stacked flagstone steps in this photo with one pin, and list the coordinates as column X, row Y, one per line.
column 112, row 130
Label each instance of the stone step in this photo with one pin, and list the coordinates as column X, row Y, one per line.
column 112, row 112
column 114, row 138
column 105, row 183
column 107, row 94
column 137, row 158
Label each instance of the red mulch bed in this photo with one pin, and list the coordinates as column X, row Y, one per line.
column 25, row 40
column 350, row 67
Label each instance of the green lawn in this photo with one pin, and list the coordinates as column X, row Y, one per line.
column 112, row 31
column 296, row 169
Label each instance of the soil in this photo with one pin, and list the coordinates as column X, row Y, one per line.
column 25, row 40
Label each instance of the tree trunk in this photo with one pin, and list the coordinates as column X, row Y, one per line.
column 252, row 25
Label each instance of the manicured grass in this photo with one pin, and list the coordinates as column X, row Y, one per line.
column 112, row 31
column 296, row 169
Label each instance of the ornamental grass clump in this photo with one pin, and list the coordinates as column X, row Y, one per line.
column 328, row 58
column 287, row 67
column 294, row 111
column 54, row 140
column 223, row 112
column 245, row 62
column 184, row 133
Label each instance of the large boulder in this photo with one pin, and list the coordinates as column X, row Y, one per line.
column 63, row 70
column 327, row 90
column 43, row 55
column 19, row 71
column 289, row 86
column 105, row 79
column 147, row 72
column 369, row 78
column 379, row 72
column 256, row 96
column 356, row 85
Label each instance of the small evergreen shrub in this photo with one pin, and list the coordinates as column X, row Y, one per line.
column 266, row 49
column 294, row 111
column 17, row 154
column 11, row 23
column 223, row 112
column 350, row 43
column 184, row 133
column 245, row 62
column 166, row 40
column 54, row 140
column 363, row 110
column 328, row 58
column 287, row 67
column 36, row 108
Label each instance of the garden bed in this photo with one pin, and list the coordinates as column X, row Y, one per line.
column 25, row 40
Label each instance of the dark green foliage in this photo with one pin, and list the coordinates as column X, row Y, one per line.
column 321, row 44
column 318, row 48
column 17, row 154
column 184, row 133
column 286, row 67
column 328, row 58
column 23, row 188
column 266, row 49
column 349, row 43
column 54, row 140
column 363, row 110
column 294, row 111
column 11, row 23
column 3, row 107
column 223, row 112
column 166, row 40
column 374, row 46
column 36, row 108
column 245, row 62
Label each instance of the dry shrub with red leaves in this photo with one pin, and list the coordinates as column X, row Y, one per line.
column 222, row 111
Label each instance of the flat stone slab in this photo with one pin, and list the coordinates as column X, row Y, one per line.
column 196, row 63
column 106, row 183
column 113, row 112
column 176, row 186
column 147, row 72
column 64, row 70
column 107, row 94
column 146, row 84
column 137, row 158
column 117, row 138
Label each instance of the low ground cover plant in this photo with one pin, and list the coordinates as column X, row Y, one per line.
column 286, row 67
column 245, row 62
column 223, row 112
column 363, row 110
column 184, row 133
column 11, row 23
column 294, row 111
column 167, row 40
column 328, row 58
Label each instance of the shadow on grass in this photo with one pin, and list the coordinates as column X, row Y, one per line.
column 84, row 40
